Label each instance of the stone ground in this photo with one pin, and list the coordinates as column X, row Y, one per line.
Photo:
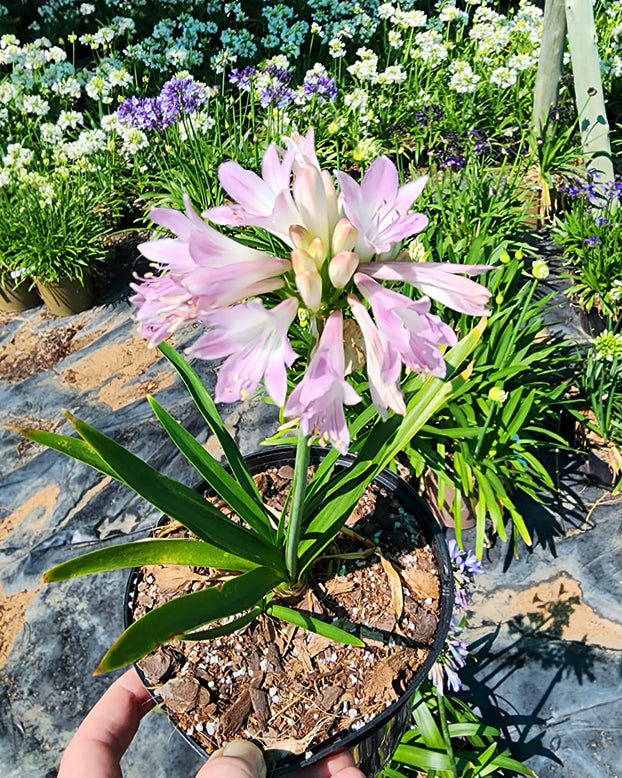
column 546, row 628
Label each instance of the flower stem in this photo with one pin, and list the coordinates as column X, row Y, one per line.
column 442, row 714
column 299, row 485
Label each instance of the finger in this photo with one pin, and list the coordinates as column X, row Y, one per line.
column 107, row 731
column 238, row 759
column 340, row 764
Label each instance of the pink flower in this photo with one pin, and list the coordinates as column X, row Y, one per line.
column 215, row 270
column 255, row 340
column 378, row 209
column 164, row 306
column 320, row 396
column 408, row 332
column 385, row 392
column 263, row 201
column 438, row 280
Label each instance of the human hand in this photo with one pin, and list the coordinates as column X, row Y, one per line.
column 103, row 737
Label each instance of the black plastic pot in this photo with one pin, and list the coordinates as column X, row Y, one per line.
column 372, row 745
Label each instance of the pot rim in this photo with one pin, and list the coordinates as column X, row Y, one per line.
column 401, row 490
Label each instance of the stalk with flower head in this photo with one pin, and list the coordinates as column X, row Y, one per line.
column 339, row 266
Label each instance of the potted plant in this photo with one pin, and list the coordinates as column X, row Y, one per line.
column 58, row 236
column 262, row 559
column 16, row 284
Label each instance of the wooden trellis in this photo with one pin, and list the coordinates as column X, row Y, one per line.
column 574, row 19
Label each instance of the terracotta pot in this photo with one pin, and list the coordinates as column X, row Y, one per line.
column 67, row 296
column 373, row 745
column 443, row 513
column 17, row 297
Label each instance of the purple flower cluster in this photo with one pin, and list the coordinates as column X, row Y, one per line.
column 431, row 114
column 243, row 78
column 178, row 97
column 592, row 242
column 450, row 662
column 321, row 86
column 465, row 565
column 277, row 92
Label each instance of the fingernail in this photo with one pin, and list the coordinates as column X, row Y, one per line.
column 242, row 749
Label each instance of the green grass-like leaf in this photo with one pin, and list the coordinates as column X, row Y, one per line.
column 178, row 501
column 207, row 409
column 312, row 624
column 217, row 477
column 183, row 614
column 191, row 553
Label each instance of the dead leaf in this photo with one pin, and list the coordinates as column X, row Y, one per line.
column 395, row 584
column 336, row 586
column 422, row 583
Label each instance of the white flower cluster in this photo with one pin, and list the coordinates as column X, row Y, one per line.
column 463, row 80
column 432, row 48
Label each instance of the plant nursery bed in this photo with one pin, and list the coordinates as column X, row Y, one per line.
column 282, row 686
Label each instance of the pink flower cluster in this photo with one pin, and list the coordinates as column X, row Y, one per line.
column 342, row 242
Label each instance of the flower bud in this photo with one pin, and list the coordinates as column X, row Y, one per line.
column 309, row 285
column 497, row 395
column 317, row 251
column 540, row 269
column 342, row 267
column 300, row 236
column 302, row 262
column 344, row 236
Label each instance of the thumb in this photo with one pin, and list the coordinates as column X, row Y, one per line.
column 238, row 759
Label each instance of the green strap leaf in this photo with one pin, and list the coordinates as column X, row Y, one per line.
column 190, row 553
column 225, row 629
column 178, row 501
column 183, row 614
column 430, row 733
column 207, row 409
column 423, row 758
column 310, row 623
column 72, row 447
column 216, row 476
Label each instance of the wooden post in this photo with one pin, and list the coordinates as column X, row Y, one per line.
column 589, row 96
column 550, row 62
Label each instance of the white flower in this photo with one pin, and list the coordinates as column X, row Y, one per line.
column 50, row 133
column 97, row 88
column 69, row 119
column 522, row 62
column 503, row 77
column 410, row 19
column 56, row 54
column 119, row 78
column 17, row 156
column 366, row 69
column 316, row 29
column 34, row 104
column 133, row 140
column 8, row 92
column 199, row 123
column 431, row 47
column 450, row 13
column 336, row 48
column 463, row 79
column 394, row 74
column 395, row 39
column 86, row 9
column 357, row 100
column 68, row 86
column 385, row 11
